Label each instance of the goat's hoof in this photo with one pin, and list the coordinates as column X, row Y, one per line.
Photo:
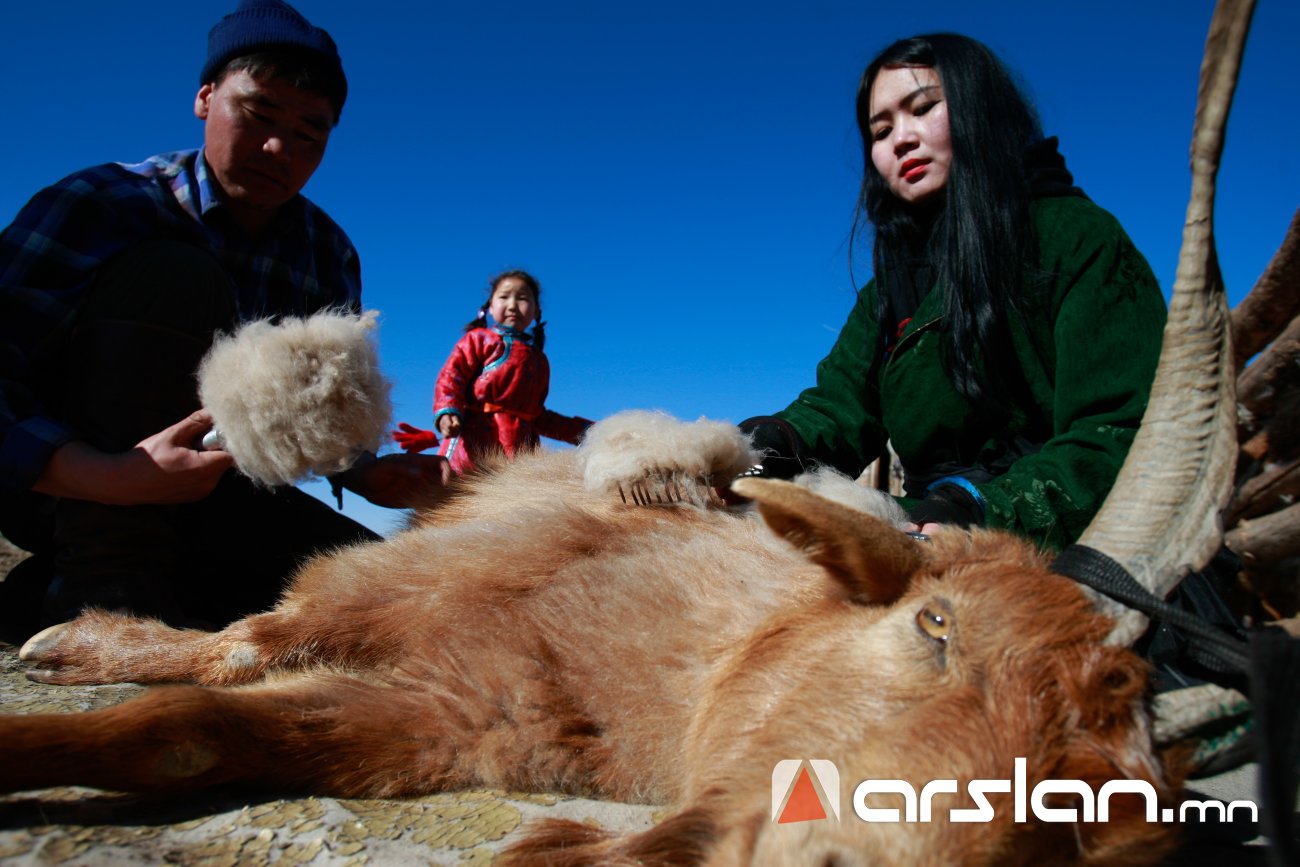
column 42, row 642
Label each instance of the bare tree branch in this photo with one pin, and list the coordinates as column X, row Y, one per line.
column 1267, row 539
column 1275, row 299
column 1265, row 493
column 1260, row 385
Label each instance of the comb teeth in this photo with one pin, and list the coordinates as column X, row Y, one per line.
column 667, row 489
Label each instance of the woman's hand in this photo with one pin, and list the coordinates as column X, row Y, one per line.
column 449, row 425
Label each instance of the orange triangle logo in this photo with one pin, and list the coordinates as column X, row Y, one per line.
column 803, row 804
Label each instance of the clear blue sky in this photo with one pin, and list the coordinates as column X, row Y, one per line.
column 679, row 175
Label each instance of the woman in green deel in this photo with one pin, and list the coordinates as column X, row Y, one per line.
column 1008, row 340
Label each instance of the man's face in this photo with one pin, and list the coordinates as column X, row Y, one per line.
column 263, row 139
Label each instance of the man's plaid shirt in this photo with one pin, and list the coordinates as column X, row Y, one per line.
column 51, row 253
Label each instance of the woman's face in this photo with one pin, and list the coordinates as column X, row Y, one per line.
column 910, row 144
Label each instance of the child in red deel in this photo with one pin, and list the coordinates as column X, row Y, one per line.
column 491, row 393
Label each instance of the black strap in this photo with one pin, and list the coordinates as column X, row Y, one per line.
column 1212, row 648
column 1277, row 743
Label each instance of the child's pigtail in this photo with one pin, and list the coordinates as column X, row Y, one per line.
column 539, row 331
column 480, row 321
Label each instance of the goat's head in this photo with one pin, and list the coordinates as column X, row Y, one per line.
column 923, row 663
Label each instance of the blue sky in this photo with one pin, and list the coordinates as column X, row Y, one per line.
column 679, row 175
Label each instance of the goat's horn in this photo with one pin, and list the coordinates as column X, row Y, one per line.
column 1162, row 518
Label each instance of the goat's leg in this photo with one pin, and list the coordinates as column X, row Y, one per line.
column 106, row 647
column 683, row 839
column 322, row 733
column 330, row 616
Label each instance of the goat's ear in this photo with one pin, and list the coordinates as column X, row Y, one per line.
column 1111, row 741
column 873, row 560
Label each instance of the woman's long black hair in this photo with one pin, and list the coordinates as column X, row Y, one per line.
column 980, row 240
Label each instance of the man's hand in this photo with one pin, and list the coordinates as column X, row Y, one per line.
column 404, row 481
column 163, row 468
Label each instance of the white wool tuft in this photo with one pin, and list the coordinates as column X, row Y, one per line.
column 837, row 487
column 639, row 444
column 301, row 398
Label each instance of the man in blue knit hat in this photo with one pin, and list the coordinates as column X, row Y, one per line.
column 112, row 283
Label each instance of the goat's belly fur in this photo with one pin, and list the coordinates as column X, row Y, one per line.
column 567, row 607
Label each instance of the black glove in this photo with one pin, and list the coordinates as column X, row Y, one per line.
column 948, row 504
column 781, row 448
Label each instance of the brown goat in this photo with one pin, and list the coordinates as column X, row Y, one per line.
column 538, row 635
column 573, row 643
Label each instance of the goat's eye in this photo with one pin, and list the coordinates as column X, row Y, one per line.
column 934, row 622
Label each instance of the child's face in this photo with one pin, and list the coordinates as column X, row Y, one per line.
column 513, row 304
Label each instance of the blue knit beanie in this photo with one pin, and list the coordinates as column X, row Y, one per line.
column 260, row 24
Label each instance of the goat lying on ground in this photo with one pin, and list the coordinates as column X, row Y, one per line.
column 571, row 642
column 536, row 634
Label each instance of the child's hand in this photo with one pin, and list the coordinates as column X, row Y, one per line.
column 449, row 425
column 414, row 439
